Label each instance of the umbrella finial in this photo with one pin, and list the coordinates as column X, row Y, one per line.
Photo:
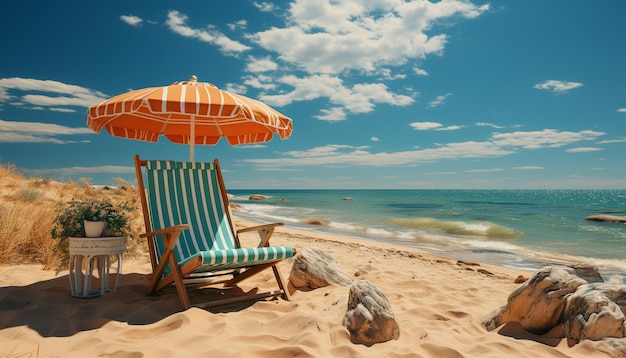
column 193, row 78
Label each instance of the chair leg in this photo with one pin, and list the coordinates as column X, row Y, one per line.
column 257, row 269
column 281, row 283
column 180, row 285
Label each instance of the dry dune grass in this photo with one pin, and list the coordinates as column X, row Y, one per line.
column 28, row 208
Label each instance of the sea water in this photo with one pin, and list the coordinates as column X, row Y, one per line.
column 523, row 229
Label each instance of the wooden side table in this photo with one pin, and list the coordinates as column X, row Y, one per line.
column 88, row 254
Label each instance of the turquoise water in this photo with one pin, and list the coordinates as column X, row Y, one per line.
column 523, row 229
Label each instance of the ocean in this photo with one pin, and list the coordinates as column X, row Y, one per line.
column 522, row 229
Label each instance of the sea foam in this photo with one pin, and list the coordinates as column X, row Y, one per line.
column 462, row 228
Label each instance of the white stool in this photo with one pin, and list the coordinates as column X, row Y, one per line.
column 94, row 253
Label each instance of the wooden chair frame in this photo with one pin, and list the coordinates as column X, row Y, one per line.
column 182, row 275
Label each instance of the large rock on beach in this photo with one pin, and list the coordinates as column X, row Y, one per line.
column 369, row 317
column 314, row 268
column 595, row 311
column 257, row 197
column 537, row 304
column 559, row 300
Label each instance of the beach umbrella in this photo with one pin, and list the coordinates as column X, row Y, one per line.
column 188, row 112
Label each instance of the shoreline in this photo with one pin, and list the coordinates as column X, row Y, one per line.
column 518, row 229
column 517, row 257
column 439, row 304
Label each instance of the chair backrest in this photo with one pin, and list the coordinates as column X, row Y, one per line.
column 188, row 193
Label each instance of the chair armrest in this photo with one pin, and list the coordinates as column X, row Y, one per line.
column 265, row 232
column 259, row 227
column 166, row 231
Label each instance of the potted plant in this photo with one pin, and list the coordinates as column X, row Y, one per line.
column 70, row 222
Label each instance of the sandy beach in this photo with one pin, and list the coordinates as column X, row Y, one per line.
column 438, row 302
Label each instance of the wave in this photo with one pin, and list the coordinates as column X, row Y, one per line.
column 460, row 228
column 479, row 240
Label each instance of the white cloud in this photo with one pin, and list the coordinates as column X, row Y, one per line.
column 259, row 81
column 177, row 23
column 6, row 137
column 36, row 132
column 261, row 64
column 334, row 41
column 131, row 20
column 236, row 88
column 65, row 110
column 424, row 126
column 449, row 128
column 375, row 139
column 622, row 110
column 389, row 75
column 238, row 25
column 265, row 6
column 542, row 139
column 558, row 86
column 610, row 141
column 439, row 100
column 484, row 170
column 251, row 146
column 500, row 144
column 40, row 128
column 359, row 98
column 420, row 72
column 486, row 124
column 583, row 149
column 348, row 155
column 529, row 167
column 331, row 37
column 49, row 93
column 332, row 114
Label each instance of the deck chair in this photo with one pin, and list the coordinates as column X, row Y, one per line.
column 191, row 236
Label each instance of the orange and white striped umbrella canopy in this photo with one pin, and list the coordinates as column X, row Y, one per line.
column 186, row 110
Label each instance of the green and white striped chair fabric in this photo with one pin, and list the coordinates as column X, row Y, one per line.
column 189, row 193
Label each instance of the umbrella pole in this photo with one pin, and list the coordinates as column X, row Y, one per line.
column 192, row 137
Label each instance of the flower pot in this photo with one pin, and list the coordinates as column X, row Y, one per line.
column 94, row 228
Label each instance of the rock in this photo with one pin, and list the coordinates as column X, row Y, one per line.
column 315, row 222
column 607, row 218
column 556, row 299
column 467, row 263
column 520, row 279
column 587, row 272
column 369, row 317
column 314, row 268
column 257, row 197
column 538, row 303
column 347, row 198
column 596, row 311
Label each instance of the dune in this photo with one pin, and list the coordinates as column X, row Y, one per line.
column 439, row 304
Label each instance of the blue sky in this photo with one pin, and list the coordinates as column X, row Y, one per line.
column 383, row 93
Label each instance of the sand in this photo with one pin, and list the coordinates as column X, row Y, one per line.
column 439, row 305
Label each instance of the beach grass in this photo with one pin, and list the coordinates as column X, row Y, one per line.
column 28, row 208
